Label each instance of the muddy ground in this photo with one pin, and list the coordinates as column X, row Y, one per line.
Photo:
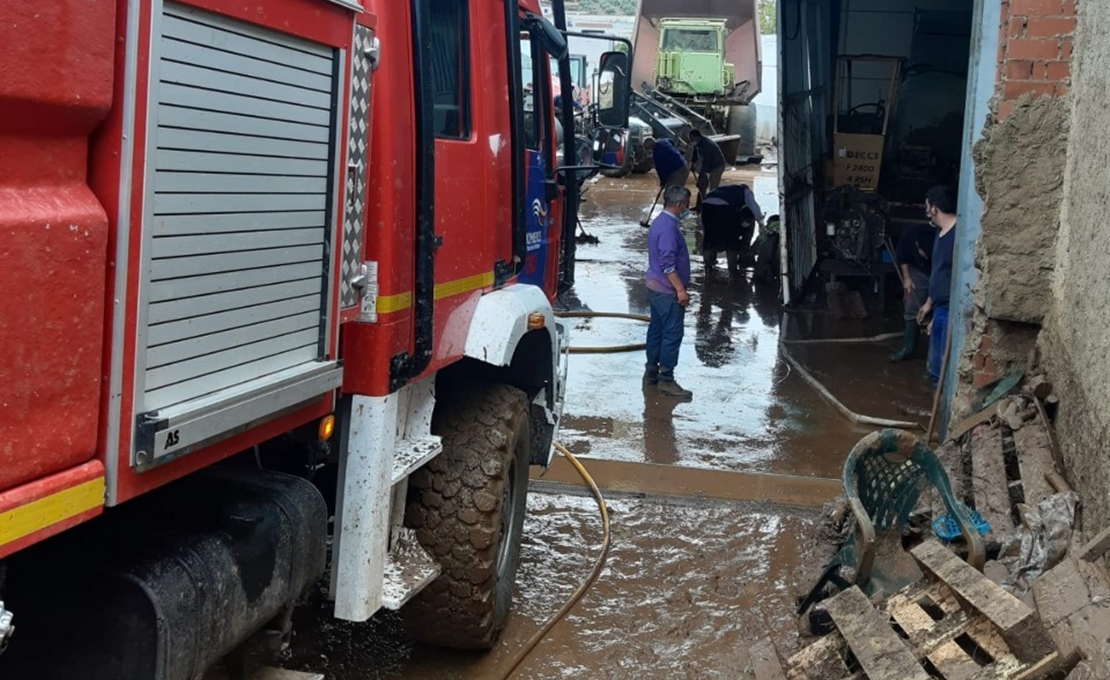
column 714, row 502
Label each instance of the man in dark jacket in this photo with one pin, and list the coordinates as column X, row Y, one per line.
column 940, row 207
column 708, row 161
column 670, row 164
column 728, row 218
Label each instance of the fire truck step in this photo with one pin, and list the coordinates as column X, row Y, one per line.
column 410, row 454
column 408, row 569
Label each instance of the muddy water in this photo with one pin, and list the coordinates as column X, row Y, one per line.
column 688, row 587
column 749, row 412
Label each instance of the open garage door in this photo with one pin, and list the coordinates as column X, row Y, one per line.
column 891, row 77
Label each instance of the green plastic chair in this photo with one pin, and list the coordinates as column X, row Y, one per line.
column 883, row 479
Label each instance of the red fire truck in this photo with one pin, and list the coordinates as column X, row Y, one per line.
column 277, row 282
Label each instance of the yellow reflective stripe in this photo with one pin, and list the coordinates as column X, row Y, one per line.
column 401, row 301
column 48, row 511
column 394, row 303
column 466, row 285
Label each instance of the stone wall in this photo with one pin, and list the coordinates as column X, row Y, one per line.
column 1075, row 345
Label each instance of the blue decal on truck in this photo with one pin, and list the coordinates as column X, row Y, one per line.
column 537, row 221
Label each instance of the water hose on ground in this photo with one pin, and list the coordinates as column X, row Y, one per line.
column 791, row 361
column 535, row 640
column 846, row 341
column 848, row 413
column 614, row 349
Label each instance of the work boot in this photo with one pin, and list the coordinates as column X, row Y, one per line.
column 673, row 389
column 651, row 377
column 913, row 332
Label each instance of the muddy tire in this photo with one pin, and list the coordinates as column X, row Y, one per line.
column 467, row 507
column 622, row 171
column 643, row 167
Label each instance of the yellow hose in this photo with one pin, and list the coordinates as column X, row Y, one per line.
column 614, row 349
column 598, row 565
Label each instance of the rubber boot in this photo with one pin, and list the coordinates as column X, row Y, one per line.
column 913, row 332
column 672, row 389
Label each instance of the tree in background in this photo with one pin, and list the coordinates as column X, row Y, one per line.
column 603, row 6
column 768, row 24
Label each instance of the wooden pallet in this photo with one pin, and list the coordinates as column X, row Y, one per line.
column 956, row 625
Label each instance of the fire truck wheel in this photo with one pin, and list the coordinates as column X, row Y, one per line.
column 467, row 506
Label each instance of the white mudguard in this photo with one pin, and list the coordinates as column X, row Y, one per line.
column 499, row 324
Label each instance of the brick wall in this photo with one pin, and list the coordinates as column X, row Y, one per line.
column 1034, row 58
column 1034, row 53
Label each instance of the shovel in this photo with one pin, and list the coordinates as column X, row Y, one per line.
column 646, row 222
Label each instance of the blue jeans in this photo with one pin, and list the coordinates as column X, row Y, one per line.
column 664, row 335
column 936, row 342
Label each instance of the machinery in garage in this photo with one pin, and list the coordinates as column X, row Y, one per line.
column 264, row 294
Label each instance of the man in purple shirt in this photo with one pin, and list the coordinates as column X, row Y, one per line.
column 668, row 275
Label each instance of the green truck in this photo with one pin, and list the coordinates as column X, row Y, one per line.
column 691, row 61
column 699, row 57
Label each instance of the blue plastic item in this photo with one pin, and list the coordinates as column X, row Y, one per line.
column 947, row 529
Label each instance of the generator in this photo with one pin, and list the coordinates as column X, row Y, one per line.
column 855, row 225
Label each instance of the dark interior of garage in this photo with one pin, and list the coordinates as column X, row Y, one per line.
column 874, row 96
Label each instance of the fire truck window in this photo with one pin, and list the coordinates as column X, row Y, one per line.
column 530, row 77
column 451, row 67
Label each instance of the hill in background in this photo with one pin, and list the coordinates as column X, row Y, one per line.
column 602, row 6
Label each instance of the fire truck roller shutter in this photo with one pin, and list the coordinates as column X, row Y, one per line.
column 239, row 212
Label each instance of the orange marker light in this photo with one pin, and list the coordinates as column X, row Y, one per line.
column 327, row 427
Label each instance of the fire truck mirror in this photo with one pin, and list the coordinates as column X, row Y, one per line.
column 614, row 88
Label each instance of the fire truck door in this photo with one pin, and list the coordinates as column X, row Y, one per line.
column 537, row 104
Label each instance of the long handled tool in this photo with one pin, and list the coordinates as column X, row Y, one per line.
column 647, row 220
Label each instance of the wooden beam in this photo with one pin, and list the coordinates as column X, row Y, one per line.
column 880, row 651
column 1018, row 625
column 765, row 661
column 1097, row 547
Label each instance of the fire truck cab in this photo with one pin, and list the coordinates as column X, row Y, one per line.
column 277, row 286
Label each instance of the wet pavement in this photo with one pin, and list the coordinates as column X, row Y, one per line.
column 714, row 502
column 749, row 412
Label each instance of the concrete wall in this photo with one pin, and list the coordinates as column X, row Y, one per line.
column 1075, row 345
